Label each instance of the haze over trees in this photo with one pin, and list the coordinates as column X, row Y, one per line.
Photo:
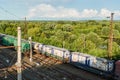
column 89, row 37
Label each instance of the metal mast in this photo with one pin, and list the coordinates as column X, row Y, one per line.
column 19, row 70
column 30, row 41
column 110, row 40
column 25, row 29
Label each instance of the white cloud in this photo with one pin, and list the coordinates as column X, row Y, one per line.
column 49, row 11
column 46, row 10
column 56, row 0
column 87, row 13
column 104, row 13
column 117, row 13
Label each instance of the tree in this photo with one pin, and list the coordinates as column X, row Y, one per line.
column 117, row 27
column 105, row 31
column 34, row 32
column 96, row 39
column 98, row 52
column 116, row 50
column 67, row 27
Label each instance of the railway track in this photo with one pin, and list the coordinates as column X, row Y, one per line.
column 5, row 63
column 45, row 69
column 43, row 73
column 42, row 68
column 51, row 68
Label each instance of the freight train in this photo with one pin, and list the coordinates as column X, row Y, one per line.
column 8, row 40
column 104, row 67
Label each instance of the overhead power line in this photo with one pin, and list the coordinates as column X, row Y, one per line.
column 8, row 12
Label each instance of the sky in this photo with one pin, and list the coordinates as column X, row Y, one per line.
column 59, row 9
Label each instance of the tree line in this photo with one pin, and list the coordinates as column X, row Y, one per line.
column 87, row 36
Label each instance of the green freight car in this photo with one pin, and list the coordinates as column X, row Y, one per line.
column 25, row 46
column 8, row 40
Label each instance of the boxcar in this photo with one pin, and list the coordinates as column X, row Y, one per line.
column 61, row 53
column 117, row 70
column 25, row 46
column 90, row 63
column 8, row 40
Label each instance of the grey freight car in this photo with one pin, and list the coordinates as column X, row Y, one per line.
column 59, row 53
column 90, row 63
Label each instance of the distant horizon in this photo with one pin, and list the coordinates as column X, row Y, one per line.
column 58, row 9
column 60, row 20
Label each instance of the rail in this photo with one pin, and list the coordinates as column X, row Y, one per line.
column 7, row 47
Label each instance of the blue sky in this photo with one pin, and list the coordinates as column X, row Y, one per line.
column 58, row 9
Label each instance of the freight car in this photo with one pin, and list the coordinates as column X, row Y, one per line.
column 93, row 64
column 48, row 50
column 8, row 40
column 117, row 70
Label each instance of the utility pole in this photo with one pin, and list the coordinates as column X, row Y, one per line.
column 84, row 45
column 25, row 28
column 63, row 40
column 19, row 70
column 110, row 40
column 30, row 42
column 25, row 22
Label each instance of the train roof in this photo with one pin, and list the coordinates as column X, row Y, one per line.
column 90, row 56
column 62, row 49
column 83, row 54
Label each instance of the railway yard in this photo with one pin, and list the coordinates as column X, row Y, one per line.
column 41, row 68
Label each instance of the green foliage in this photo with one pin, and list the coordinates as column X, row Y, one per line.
column 96, row 39
column 98, row 52
column 116, row 34
column 105, row 31
column 84, row 36
column 117, row 27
